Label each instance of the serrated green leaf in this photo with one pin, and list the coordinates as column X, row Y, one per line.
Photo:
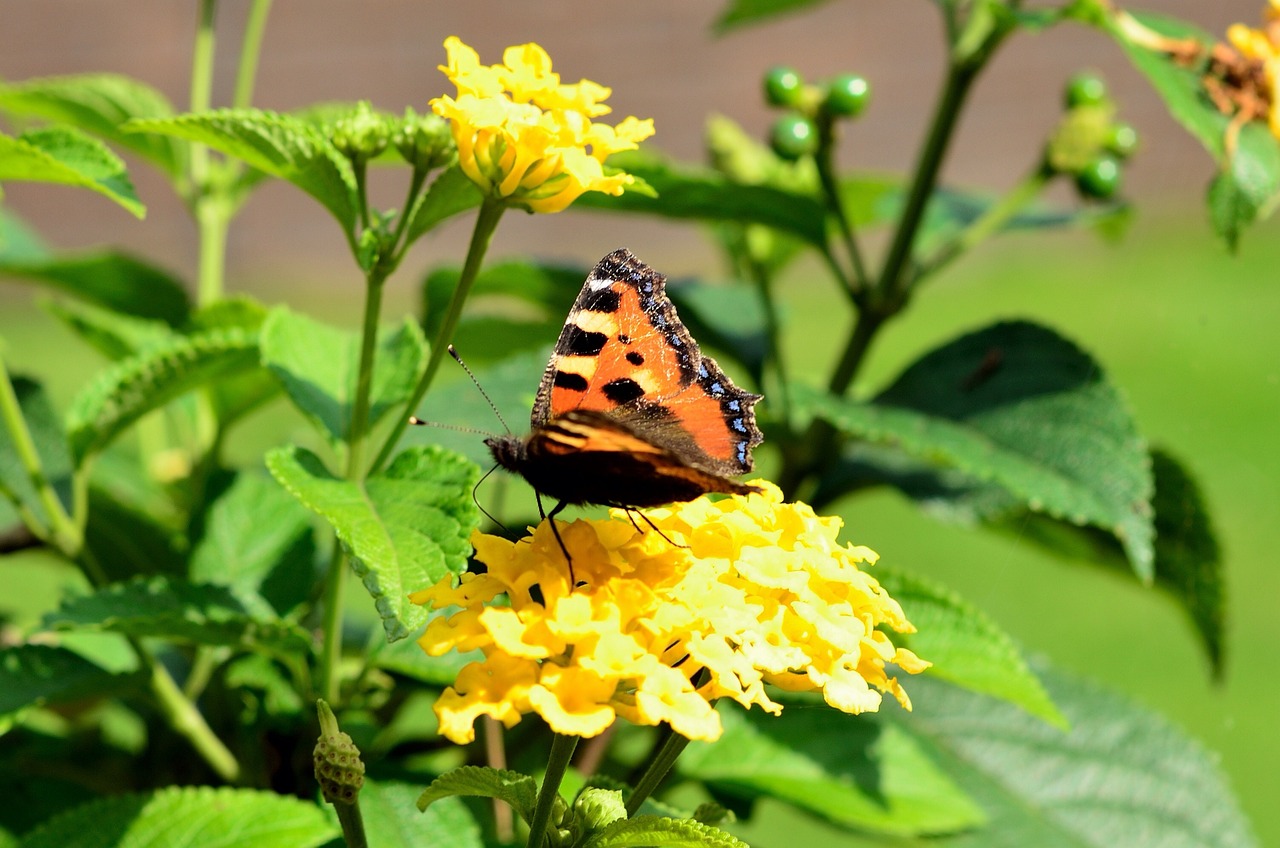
column 1018, row 406
column 685, row 193
column 451, row 193
column 65, row 156
column 519, row 791
column 318, row 367
column 113, row 280
column 404, row 528
column 966, row 646
column 1245, row 187
column 654, row 830
column 133, row 387
column 188, row 817
column 848, row 769
column 50, row 445
column 392, row 821
column 197, row 613
column 262, row 687
column 279, row 145
column 738, row 13
column 258, row 542
column 41, row 675
column 1122, row 776
column 99, row 104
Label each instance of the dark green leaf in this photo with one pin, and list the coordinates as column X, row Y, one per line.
column 965, row 646
column 264, row 690
column 503, row 290
column 116, row 281
column 188, row 817
column 258, row 542
column 1245, row 186
column 133, row 387
column 451, row 193
column 404, row 528
column 747, row 12
column 237, row 395
column 318, row 367
column 1017, row 406
column 519, row 791
column 99, row 104
column 730, row 318
column 284, row 147
column 200, row 614
column 41, row 675
column 128, row 539
column 392, row 821
column 115, row 335
column 706, row 195
column 1121, row 776
column 65, row 156
column 847, row 769
column 50, row 446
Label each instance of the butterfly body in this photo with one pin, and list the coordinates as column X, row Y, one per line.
column 629, row 412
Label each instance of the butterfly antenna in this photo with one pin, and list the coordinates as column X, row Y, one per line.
column 458, row 359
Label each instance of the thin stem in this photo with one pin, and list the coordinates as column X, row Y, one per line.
column 664, row 757
column 831, row 194
column 185, row 719
column 250, row 49
column 212, row 222
column 331, row 627
column 486, row 222
column 202, row 87
column 557, row 763
column 364, row 377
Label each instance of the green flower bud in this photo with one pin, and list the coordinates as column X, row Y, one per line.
column 338, row 767
column 1122, row 140
column 847, row 96
column 793, row 136
column 425, row 141
column 1100, row 179
column 1085, row 89
column 597, row 808
column 361, row 135
column 783, row 86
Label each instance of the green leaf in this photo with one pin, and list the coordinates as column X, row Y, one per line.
column 519, row 791
column 18, row 241
column 392, row 821
column 966, row 646
column 263, row 689
column 116, row 281
column 739, row 13
column 133, row 387
column 848, row 769
column 279, row 145
column 240, row 394
column 404, row 528
column 42, row 675
column 730, row 318
column 318, row 367
column 50, row 445
column 68, row 157
column 1017, row 406
column 1245, row 187
column 258, row 542
column 196, row 613
column 113, row 334
column 1122, row 776
column 99, row 104
column 705, row 195
column 128, row 539
column 451, row 193
column 655, row 830
column 188, row 817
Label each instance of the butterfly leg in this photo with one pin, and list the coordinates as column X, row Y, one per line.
column 555, row 531
column 631, row 513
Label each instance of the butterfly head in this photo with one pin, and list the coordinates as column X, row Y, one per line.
column 509, row 450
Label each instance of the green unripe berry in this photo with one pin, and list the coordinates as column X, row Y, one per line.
column 793, row 136
column 1122, row 140
column 1085, row 89
column 783, row 86
column 847, row 95
column 1100, row 179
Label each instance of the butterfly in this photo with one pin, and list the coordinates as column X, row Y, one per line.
column 629, row 412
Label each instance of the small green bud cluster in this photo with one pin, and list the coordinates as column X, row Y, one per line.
column 424, row 141
column 1089, row 144
column 362, row 134
column 338, row 768
column 811, row 108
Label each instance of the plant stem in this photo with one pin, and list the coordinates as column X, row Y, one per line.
column 557, row 763
column 835, row 205
column 207, row 206
column 185, row 719
column 664, row 757
column 331, row 627
column 250, row 49
column 486, row 223
column 364, row 377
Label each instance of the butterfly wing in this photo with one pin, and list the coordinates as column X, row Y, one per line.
column 623, row 352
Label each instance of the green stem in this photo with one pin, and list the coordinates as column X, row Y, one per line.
column 486, row 223
column 208, row 209
column 181, row 715
column 557, row 763
column 773, row 334
column 364, row 377
column 250, row 49
column 202, row 88
column 664, row 757
column 331, row 627
column 835, row 205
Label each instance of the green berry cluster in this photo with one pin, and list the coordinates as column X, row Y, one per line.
column 1090, row 145
column 810, row 108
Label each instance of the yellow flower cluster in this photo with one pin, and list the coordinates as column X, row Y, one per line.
column 1263, row 46
column 741, row 592
column 525, row 137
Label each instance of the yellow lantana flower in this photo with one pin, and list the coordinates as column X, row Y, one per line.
column 741, row 593
column 525, row 137
column 1263, row 46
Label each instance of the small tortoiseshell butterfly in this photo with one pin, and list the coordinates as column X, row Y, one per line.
column 629, row 412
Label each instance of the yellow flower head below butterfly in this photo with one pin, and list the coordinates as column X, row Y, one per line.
column 525, row 137
column 741, row 593
column 1263, row 47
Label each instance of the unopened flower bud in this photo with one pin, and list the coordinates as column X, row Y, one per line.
column 361, row 135
column 425, row 141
